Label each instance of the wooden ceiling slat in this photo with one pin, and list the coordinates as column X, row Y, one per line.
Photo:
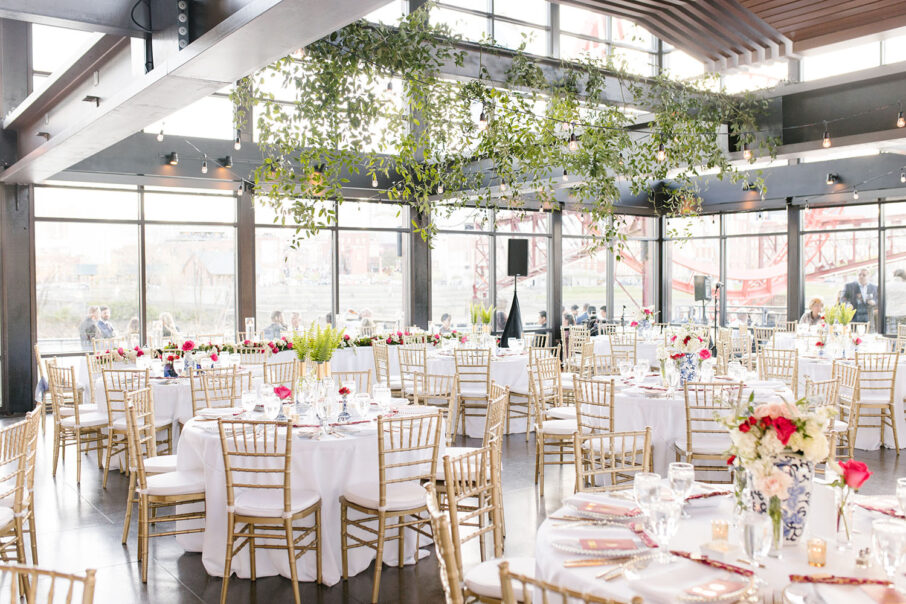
column 880, row 19
column 844, row 9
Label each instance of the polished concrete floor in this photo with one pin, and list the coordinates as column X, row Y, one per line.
column 80, row 526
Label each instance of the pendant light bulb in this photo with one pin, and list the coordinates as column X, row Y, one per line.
column 855, row 194
column 661, row 152
column 440, row 189
column 621, row 159
column 483, row 120
column 237, row 142
column 826, row 141
column 204, row 165
column 573, row 144
column 746, row 152
column 374, row 182
column 160, row 136
column 901, row 121
column 565, row 176
column 502, row 187
column 903, row 175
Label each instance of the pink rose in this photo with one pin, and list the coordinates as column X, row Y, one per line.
column 282, row 392
column 462, row 340
column 346, row 337
column 634, row 324
column 704, row 354
column 390, row 340
column 214, row 357
column 289, row 345
column 246, row 342
column 777, row 483
column 855, row 473
column 188, row 346
column 772, row 410
column 139, row 352
column 120, row 351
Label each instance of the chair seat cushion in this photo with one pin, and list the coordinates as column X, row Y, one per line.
column 484, row 579
column 400, row 496
column 86, row 420
column 874, row 399
column 269, row 502
column 120, row 424
column 559, row 426
column 562, row 412
column 160, row 464
column 6, row 515
column 840, row 426
column 396, row 382
column 176, row 483
column 566, row 380
column 707, row 445
column 83, row 409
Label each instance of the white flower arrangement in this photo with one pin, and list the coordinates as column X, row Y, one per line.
column 645, row 313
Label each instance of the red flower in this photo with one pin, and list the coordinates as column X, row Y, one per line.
column 246, row 342
column 344, row 391
column 188, row 346
column 139, row 352
column 400, row 334
column 390, row 340
column 677, row 356
column 282, row 392
column 289, row 345
column 855, row 473
column 120, row 351
column 744, row 427
column 819, row 343
column 785, row 429
column 284, row 338
column 766, row 422
column 686, row 340
column 673, row 338
column 752, row 420
column 634, row 324
column 214, row 357
column 170, row 358
column 730, row 460
column 857, row 341
column 704, row 354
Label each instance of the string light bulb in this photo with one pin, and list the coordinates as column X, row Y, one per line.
column 901, row 121
column 746, row 152
column 621, row 159
column 160, row 135
column 565, row 175
column 502, row 187
column 903, row 175
column 573, row 144
column 374, row 181
column 826, row 141
column 661, row 152
column 204, row 165
column 440, row 189
column 483, row 120
column 237, row 143
column 855, row 193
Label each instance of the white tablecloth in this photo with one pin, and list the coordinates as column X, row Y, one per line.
column 692, row 533
column 326, row 466
column 646, row 350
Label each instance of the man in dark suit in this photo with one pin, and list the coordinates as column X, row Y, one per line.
column 862, row 295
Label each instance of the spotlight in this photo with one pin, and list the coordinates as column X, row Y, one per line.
column 573, row 144
column 855, row 194
column 831, row 178
column 204, row 165
column 746, row 152
column 227, row 162
column 160, row 135
column 237, row 143
column 661, row 152
column 826, row 141
column 173, row 159
column 565, row 176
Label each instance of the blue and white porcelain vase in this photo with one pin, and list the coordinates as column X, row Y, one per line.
column 644, row 329
column 793, row 509
column 688, row 368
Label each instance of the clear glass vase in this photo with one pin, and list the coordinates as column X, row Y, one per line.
column 776, row 514
column 844, row 507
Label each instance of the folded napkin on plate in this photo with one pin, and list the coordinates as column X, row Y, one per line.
column 708, row 494
column 732, row 568
column 604, row 509
column 607, row 544
column 673, row 583
column 835, row 580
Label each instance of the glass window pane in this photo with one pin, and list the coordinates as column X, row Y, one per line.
column 532, row 289
column 190, row 208
column 895, row 49
column 295, row 282
column 577, row 48
column 191, row 279
column 753, row 223
column 460, row 266
column 580, row 21
column 211, row 117
column 584, row 277
column 634, row 61
column 469, row 26
column 757, row 280
column 389, row 14
column 637, row 227
column 688, row 258
column 579, row 223
column 681, row 66
column 532, row 11
column 56, row 47
column 463, row 219
column 842, row 60
column 634, row 284
column 894, row 214
column 372, row 279
column 480, row 5
column 695, row 226
column 819, row 219
column 510, row 35
column 895, row 284
column 71, row 202
column 513, row 221
column 833, row 262
column 766, row 75
column 628, row 32
column 368, row 214
column 265, row 213
column 80, row 266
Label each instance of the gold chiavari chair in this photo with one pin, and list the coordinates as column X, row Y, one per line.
column 96, row 364
column 281, row 374
column 623, row 347
column 196, row 389
column 51, row 586
column 382, row 373
column 361, row 379
column 77, row 427
column 877, row 381
column 706, row 439
column 26, row 510
column 153, row 462
column 407, row 458
column 252, row 354
column 117, row 382
column 789, row 327
column 43, row 388
column 609, row 461
column 764, row 338
column 413, row 365
column 826, row 393
column 605, row 329
column 594, row 405
column 14, row 454
column 473, row 376
column 858, row 328
column 779, row 364
column 741, row 350
column 521, row 587
column 221, row 388
column 440, row 391
column 450, row 577
column 107, row 345
column 578, row 335
column 154, row 492
column 416, row 338
column 518, row 400
column 848, row 376
column 536, row 340
column 587, row 362
column 553, row 437
column 263, row 509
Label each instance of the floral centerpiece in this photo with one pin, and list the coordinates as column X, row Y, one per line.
column 686, row 349
column 851, row 475
column 481, row 316
column 644, row 317
column 778, row 443
column 320, row 344
column 839, row 314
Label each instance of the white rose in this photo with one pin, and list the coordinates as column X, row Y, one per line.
column 770, row 445
column 816, row 448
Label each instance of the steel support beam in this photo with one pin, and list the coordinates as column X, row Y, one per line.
column 107, row 16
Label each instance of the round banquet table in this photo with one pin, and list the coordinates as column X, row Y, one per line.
column 646, row 350
column 868, row 439
column 663, row 583
column 509, row 370
column 327, row 466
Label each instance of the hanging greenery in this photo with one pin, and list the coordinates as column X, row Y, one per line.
column 371, row 99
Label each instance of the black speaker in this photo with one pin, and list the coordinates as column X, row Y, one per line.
column 702, row 288
column 517, row 257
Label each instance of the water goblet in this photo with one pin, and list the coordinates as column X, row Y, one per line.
column 248, row 401
column 382, row 396
column 645, row 487
column 271, row 407
column 901, row 494
column 361, row 402
column 639, row 371
column 664, row 515
column 625, row 367
column 757, row 532
column 889, row 540
column 682, row 478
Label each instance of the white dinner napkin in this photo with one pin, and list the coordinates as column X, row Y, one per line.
column 665, row 583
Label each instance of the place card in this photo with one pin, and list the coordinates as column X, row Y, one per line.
column 603, row 545
column 716, row 588
column 592, row 507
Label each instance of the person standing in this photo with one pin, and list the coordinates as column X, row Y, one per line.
column 105, row 327
column 583, row 317
column 862, row 295
column 88, row 328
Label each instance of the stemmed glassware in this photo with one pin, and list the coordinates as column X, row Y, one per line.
column 645, row 487
column 625, row 368
column 664, row 513
column 640, row 370
column 901, row 494
column 682, row 478
column 889, row 543
column 381, row 396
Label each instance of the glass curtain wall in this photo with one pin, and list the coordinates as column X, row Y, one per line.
column 756, row 261
column 584, row 276
column 692, row 248
column 635, row 266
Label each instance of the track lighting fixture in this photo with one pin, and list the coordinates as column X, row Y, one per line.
column 226, row 162
column 173, row 159
column 831, row 178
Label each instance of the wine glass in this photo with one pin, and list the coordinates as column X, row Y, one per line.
column 361, row 403
column 382, row 396
column 901, row 494
column 889, row 538
column 248, row 401
column 673, row 378
column 639, row 371
column 625, row 367
column 664, row 515
column 271, row 406
column 645, row 487
column 756, row 535
column 682, row 477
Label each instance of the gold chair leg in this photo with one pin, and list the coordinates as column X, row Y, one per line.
column 344, row 518
column 33, row 533
column 130, row 502
column 318, row 543
column 78, row 457
column 379, row 560
column 291, row 550
column 401, row 546
column 893, row 426
column 253, row 562
column 56, row 450
column 227, row 564
column 108, row 456
column 144, row 521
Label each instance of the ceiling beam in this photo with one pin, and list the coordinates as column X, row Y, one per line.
column 105, row 16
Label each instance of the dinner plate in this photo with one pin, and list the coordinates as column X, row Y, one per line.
column 574, row 546
column 220, row 412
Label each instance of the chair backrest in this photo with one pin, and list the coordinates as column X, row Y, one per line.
column 594, row 405
column 117, row 382
column 473, row 371
column 407, row 450
column 878, row 374
column 578, row 335
column 606, row 329
column 779, row 364
column 849, row 377
column 97, row 362
column 705, row 403
column 473, row 499
column 587, row 360
column 221, row 387
column 822, row 393
column 545, row 386
column 609, row 461
column 257, row 457
column 540, row 352
column 64, row 393
column 788, row 327
column 196, row 389
column 33, row 418
column 381, row 352
column 416, row 338
column 15, row 441
column 440, row 391
column 536, row 340
column 531, row 589
column 624, row 347
column 253, row 354
column 104, row 345
column 281, row 374
column 211, row 338
column 495, row 420
column 51, row 586
column 447, row 553
column 361, row 379
column 366, row 331
column 858, row 327
column 764, row 337
column 413, row 364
